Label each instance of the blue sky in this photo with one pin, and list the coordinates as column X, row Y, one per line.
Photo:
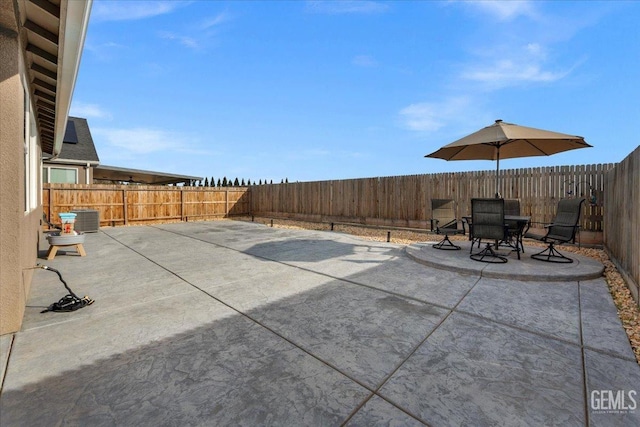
column 309, row 90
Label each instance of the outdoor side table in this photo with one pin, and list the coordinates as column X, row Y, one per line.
column 57, row 241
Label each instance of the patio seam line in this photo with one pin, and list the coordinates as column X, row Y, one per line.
column 522, row 329
column 308, row 270
column 360, row 406
column 8, row 361
column 420, row 344
column 399, row 365
column 585, row 392
column 357, row 409
column 607, row 353
column 251, row 319
column 373, row 392
column 542, row 334
column 549, row 336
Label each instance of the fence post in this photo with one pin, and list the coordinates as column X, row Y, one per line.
column 182, row 216
column 50, row 203
column 125, row 209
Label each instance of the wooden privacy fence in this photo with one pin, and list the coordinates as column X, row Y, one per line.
column 405, row 201
column 142, row 204
column 622, row 219
column 612, row 192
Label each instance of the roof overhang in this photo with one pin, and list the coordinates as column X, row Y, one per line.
column 53, row 34
column 137, row 176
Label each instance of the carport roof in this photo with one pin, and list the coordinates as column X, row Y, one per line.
column 137, row 176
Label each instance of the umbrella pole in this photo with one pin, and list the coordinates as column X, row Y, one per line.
column 497, row 169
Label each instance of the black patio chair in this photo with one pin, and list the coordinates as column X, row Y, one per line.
column 487, row 216
column 562, row 230
column 444, row 221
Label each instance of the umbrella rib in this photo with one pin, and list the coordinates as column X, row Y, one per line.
column 459, row 151
column 536, row 147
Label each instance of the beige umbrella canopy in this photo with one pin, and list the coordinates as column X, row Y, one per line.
column 505, row 141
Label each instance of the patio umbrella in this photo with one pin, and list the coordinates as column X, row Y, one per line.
column 505, row 141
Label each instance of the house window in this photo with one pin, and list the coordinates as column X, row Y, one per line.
column 31, row 156
column 61, row 175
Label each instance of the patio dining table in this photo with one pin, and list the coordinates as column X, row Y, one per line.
column 514, row 238
column 523, row 223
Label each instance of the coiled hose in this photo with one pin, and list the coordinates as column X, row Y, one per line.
column 69, row 302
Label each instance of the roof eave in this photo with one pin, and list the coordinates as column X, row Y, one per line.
column 73, row 31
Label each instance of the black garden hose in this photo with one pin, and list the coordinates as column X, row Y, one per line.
column 69, row 302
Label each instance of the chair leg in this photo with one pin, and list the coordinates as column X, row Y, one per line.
column 473, row 242
column 488, row 255
column 446, row 244
column 551, row 254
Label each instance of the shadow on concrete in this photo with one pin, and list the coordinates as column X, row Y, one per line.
column 307, row 250
column 312, row 357
column 228, row 372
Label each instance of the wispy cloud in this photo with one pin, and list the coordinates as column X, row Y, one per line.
column 340, row 7
column 132, row 10
column 84, row 110
column 507, row 73
column 186, row 41
column 433, row 116
column 103, row 51
column 145, row 140
column 199, row 34
column 511, row 55
column 366, row 61
column 504, row 10
column 215, row 21
column 503, row 67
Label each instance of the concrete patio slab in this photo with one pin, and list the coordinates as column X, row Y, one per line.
column 612, row 390
column 192, row 259
column 233, row 323
column 262, row 290
column 525, row 268
column 474, row 372
column 544, row 307
column 5, row 350
column 403, row 276
column 363, row 333
column 601, row 329
column 378, row 412
column 226, row 372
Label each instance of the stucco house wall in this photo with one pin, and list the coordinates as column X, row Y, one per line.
column 25, row 131
column 19, row 224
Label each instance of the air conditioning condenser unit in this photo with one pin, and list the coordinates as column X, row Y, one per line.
column 87, row 220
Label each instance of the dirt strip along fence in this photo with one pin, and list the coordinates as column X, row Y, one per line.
column 622, row 219
column 405, row 201
column 145, row 204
